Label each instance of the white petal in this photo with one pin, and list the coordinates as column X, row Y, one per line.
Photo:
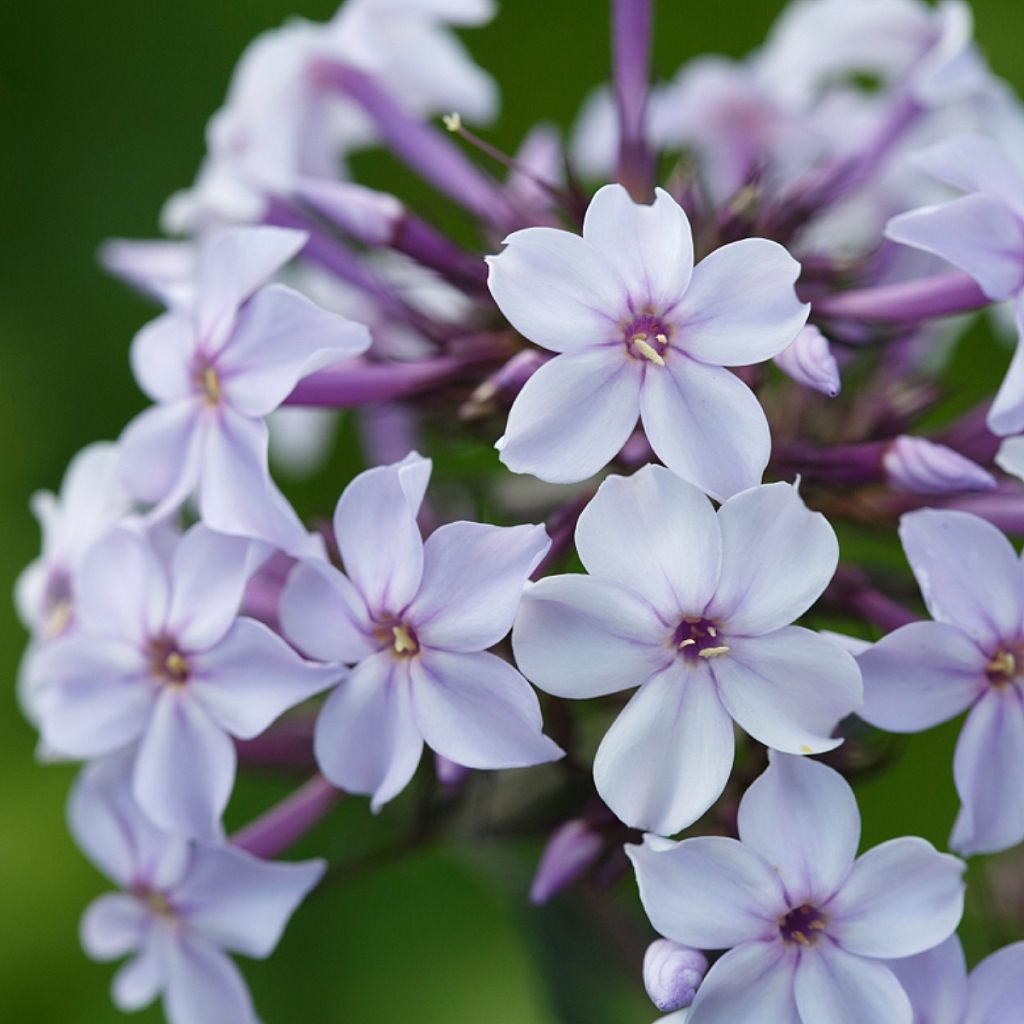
column 160, row 453
column 996, row 988
column 1006, row 416
column 936, row 983
column 140, row 980
column 752, row 983
column 161, row 353
column 974, row 163
column 204, row 986
column 113, row 924
column 833, row 986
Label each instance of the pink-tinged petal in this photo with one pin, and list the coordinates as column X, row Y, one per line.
column 777, row 558
column 237, row 495
column 667, row 757
column 322, row 614
column 185, row 768
column 141, row 980
column 281, row 337
column 900, row 898
column 709, row 893
column 578, row 636
column 974, row 163
column 232, row 264
column 989, row 754
column 752, row 983
column 478, row 711
column 1006, row 416
column 656, row 534
column 473, row 579
column 113, row 925
column 651, row 246
column 161, row 356
column 815, row 849
column 920, row 675
column 573, row 415
column 252, row 677
column 978, row 234
column 379, row 541
column 208, row 575
column 160, row 452
column 204, row 986
column 705, row 424
column 996, row 988
column 741, row 306
column 833, row 986
column 366, row 739
column 936, row 983
column 788, row 689
column 557, row 290
column 968, row 573
column 240, row 902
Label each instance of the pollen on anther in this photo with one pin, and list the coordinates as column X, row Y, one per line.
column 713, row 652
column 211, row 384
column 646, row 350
column 403, row 640
column 452, row 121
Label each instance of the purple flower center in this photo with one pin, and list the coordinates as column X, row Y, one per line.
column 1005, row 667
column 697, row 637
column 803, row 926
column 167, row 663
column 647, row 338
column 399, row 636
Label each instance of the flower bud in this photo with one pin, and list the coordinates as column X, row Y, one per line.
column 504, row 384
column 367, row 215
column 809, row 361
column 572, row 848
column 450, row 774
column 923, row 467
column 672, row 974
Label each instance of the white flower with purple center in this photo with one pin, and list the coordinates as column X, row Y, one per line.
column 416, row 619
column 694, row 608
column 216, row 368
column 970, row 657
column 161, row 662
column 807, row 923
column 183, row 907
column 641, row 332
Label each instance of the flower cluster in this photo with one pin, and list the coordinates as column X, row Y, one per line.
column 713, row 376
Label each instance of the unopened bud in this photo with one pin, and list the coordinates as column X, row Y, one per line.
column 369, row 216
column 504, row 384
column 572, row 848
column 672, row 974
column 809, row 361
column 923, row 467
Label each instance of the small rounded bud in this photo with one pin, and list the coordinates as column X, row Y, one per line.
column 672, row 974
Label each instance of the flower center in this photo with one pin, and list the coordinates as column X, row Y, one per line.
column 156, row 902
column 399, row 636
column 697, row 637
column 207, row 382
column 1006, row 666
column 647, row 338
column 167, row 663
column 803, row 926
column 57, row 605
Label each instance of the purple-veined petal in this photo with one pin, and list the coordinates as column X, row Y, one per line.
column 777, row 558
column 968, row 573
column 324, row 616
column 936, row 983
column 478, row 711
column 142, row 978
column 578, row 636
column 557, row 290
column 160, row 452
column 204, row 986
column 989, row 755
column 802, row 818
column 473, row 579
column 667, row 757
column 741, row 306
column 656, row 534
column 788, row 689
column 752, row 983
column 705, row 424
column 920, row 675
column 252, row 677
column 835, row 986
column 900, row 898
column 709, row 893
column 1006, row 416
column 185, row 768
column 161, row 354
column 113, row 924
column 240, row 902
column 651, row 246
column 996, row 988
column 366, row 739
column 573, row 415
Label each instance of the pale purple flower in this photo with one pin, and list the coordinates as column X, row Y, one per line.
column 215, row 369
column 970, row 657
column 672, row 974
column 162, row 662
column 921, row 466
column 694, row 608
column 809, row 361
column 642, row 333
column 183, row 906
column 808, row 927
column 416, row 619
column 1010, row 457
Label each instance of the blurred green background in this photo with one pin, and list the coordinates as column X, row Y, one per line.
column 103, row 108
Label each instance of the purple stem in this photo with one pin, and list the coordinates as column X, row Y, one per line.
column 908, row 302
column 288, row 821
column 426, row 245
column 632, row 22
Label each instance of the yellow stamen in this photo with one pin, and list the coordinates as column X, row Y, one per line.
column 176, row 666
column 211, row 384
column 801, row 938
column 661, row 339
column 1003, row 664
column 404, row 642
column 453, row 121
column 59, row 617
column 647, row 351
column 805, row 749
column 159, row 904
column 688, row 643
column 818, row 926
column 713, row 652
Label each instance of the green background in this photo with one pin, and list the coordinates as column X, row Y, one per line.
column 103, row 108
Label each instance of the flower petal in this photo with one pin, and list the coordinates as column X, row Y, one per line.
column 709, row 893
column 833, row 986
column 578, row 636
column 705, row 424
column 667, row 757
column 140, row 980
column 161, row 353
column 752, row 983
column 204, row 986
column 900, row 898
column 936, row 983
column 160, row 453
column 996, row 988
column 777, row 558
column 573, row 415
column 1006, row 416
column 113, row 924
column 973, row 163
column 655, row 534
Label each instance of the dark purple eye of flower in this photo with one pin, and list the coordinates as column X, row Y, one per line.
column 803, row 925
column 696, row 637
column 167, row 663
column 647, row 337
column 1004, row 667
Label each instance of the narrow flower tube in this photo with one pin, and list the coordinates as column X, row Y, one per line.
column 908, row 302
column 288, row 821
column 631, row 44
column 923, row 467
column 572, row 848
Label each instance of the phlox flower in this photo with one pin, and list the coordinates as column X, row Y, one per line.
column 807, row 923
column 694, row 608
column 416, row 619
